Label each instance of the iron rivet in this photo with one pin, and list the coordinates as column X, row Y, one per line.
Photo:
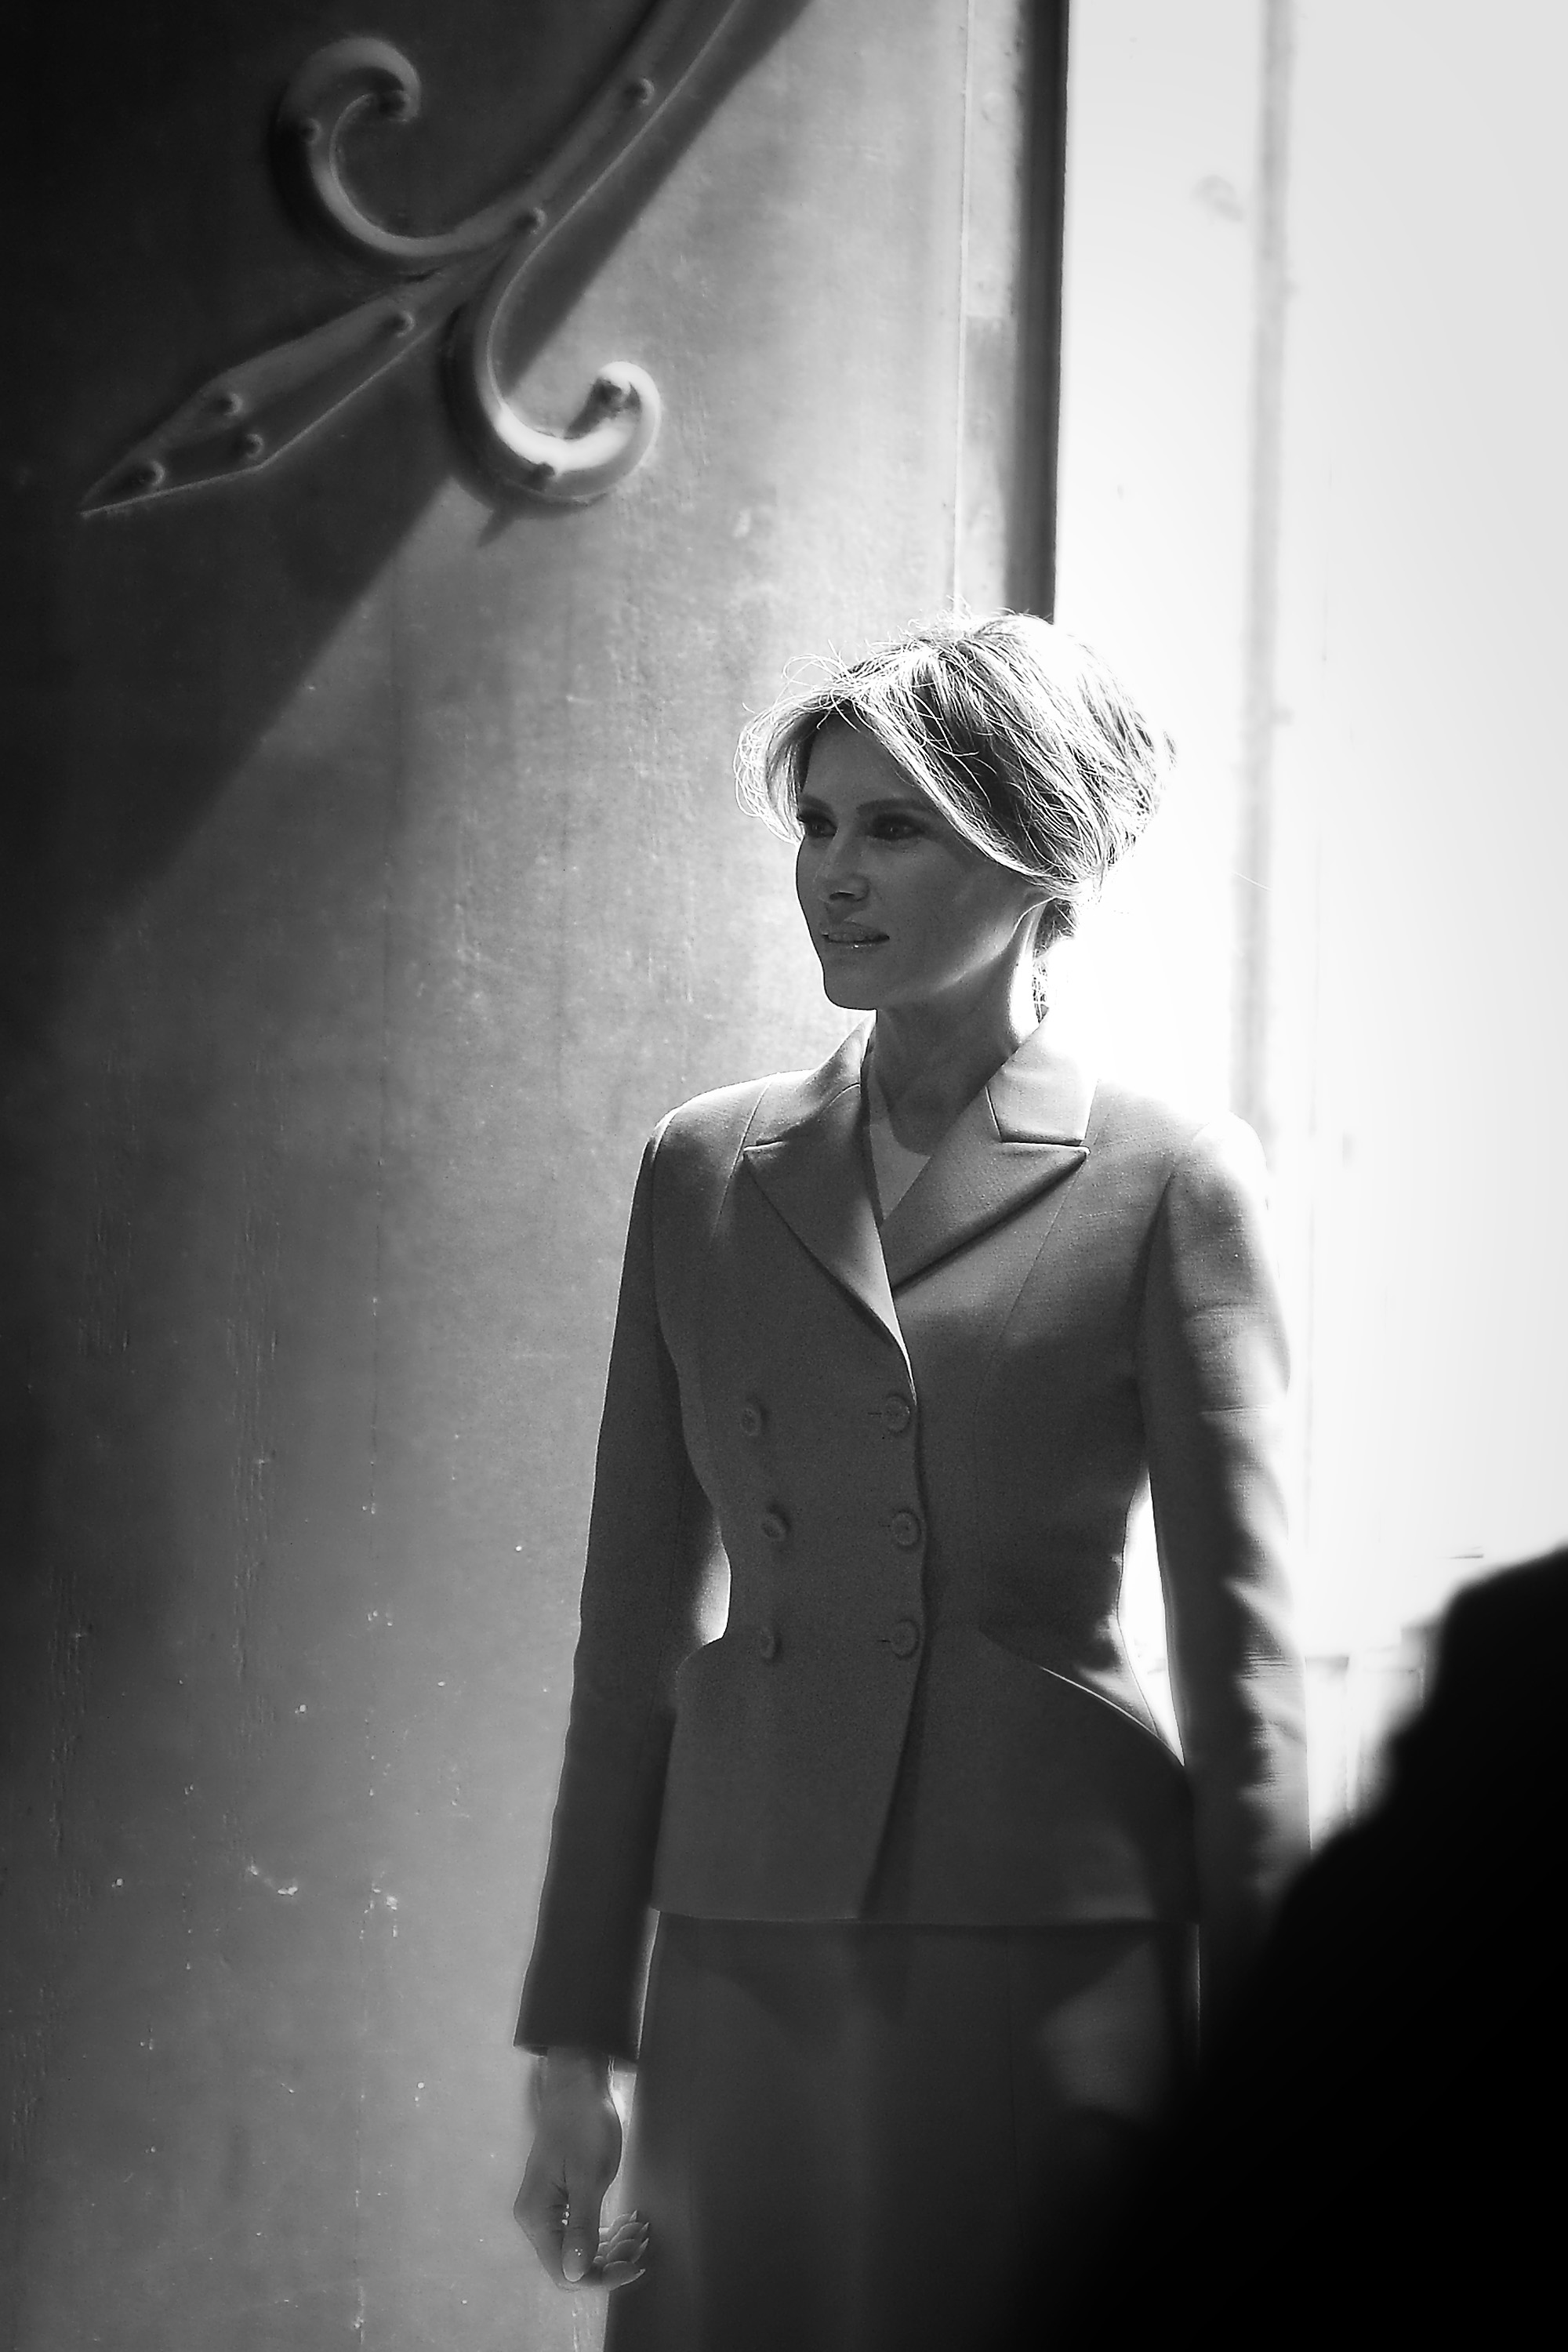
column 250, row 446
column 147, row 474
column 400, row 322
column 309, row 130
column 226, row 402
column 533, row 219
column 638, row 92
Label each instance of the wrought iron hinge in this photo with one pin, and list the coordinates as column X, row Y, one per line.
column 477, row 274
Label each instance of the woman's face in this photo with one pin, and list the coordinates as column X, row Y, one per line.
column 901, row 910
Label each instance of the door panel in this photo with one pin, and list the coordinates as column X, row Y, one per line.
column 375, row 882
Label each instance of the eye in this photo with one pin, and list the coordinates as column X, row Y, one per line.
column 896, row 828
column 813, row 824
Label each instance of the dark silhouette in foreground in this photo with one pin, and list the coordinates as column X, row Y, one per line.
column 1375, row 2148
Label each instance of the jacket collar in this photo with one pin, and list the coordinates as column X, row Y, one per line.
column 1023, row 1132
column 804, row 1149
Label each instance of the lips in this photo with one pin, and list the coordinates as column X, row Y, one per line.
column 853, row 935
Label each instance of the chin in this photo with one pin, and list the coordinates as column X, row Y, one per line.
column 854, row 996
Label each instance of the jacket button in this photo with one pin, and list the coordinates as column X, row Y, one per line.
column 905, row 1638
column 767, row 1643
column 751, row 1418
column 896, row 1415
column 905, row 1529
column 774, row 1525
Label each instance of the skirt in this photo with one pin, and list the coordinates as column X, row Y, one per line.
column 881, row 2138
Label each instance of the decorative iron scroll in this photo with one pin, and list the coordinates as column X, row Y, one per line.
column 479, row 272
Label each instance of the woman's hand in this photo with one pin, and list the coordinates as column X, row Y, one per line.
column 576, row 2155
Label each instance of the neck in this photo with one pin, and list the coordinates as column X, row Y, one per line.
column 933, row 1059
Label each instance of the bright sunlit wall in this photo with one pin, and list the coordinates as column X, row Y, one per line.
column 1415, row 964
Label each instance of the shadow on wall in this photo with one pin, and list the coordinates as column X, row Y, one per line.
column 146, row 655
column 150, row 649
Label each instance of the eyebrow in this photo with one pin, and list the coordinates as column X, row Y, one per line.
column 897, row 805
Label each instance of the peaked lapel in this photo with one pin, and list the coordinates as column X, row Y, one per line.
column 1023, row 1132
column 806, row 1151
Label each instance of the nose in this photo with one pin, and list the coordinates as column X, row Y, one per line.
column 836, row 877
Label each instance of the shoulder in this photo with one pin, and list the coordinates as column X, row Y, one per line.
column 694, row 1149
column 708, row 1128
column 1487, row 1752
column 1202, row 1182
column 1188, row 1149
column 1515, row 1613
column 711, row 1128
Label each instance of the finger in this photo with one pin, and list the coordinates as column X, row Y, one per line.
column 580, row 2244
column 541, row 2217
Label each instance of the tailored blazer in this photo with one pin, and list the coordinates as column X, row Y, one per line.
column 850, row 1642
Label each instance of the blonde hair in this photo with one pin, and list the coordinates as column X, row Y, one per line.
column 1015, row 730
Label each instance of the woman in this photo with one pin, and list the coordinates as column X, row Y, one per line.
column 898, row 1342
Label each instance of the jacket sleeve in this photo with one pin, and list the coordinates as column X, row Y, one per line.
column 1213, row 1373
column 653, row 1556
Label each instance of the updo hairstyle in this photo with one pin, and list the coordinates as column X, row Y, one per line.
column 1018, row 733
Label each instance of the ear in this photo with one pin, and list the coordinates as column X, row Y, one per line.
column 1053, row 921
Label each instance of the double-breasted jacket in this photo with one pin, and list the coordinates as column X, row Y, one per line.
column 850, row 1642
